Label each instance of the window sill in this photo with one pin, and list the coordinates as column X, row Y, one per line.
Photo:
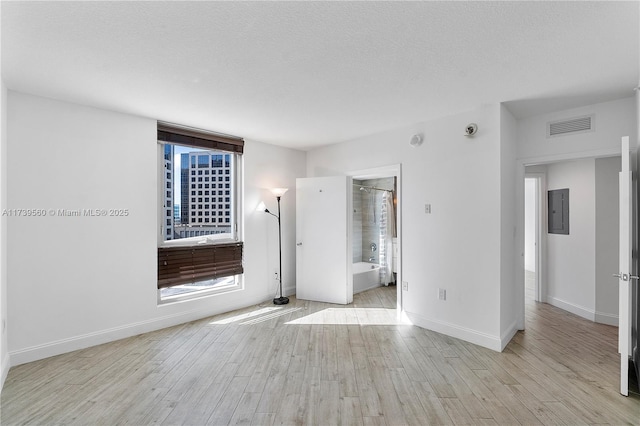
column 201, row 294
column 197, row 241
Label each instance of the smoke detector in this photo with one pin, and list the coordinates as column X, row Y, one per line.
column 471, row 129
column 416, row 140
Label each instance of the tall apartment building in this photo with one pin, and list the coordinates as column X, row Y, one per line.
column 205, row 193
column 168, row 196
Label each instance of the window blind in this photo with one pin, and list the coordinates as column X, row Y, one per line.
column 199, row 138
column 181, row 265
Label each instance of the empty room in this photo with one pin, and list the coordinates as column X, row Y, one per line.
column 318, row 213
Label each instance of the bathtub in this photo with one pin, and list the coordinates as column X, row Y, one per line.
column 365, row 276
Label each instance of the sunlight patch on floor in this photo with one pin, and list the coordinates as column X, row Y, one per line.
column 346, row 316
column 270, row 316
column 244, row 316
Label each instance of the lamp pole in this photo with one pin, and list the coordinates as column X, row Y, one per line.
column 278, row 192
column 280, row 300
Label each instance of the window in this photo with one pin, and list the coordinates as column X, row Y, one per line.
column 198, row 257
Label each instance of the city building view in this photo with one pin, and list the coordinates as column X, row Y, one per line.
column 198, row 198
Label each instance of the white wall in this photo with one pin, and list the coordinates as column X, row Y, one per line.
column 612, row 121
column 79, row 281
column 457, row 246
column 4, row 351
column 571, row 258
column 268, row 166
column 530, row 224
column 607, row 238
column 4, row 354
column 508, row 290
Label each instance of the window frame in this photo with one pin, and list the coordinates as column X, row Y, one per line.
column 235, row 236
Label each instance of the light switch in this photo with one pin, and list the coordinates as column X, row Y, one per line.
column 442, row 294
column 427, row 208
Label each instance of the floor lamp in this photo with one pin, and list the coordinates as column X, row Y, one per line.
column 279, row 192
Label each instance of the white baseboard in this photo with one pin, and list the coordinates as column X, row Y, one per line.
column 289, row 291
column 4, row 370
column 508, row 335
column 463, row 333
column 368, row 288
column 62, row 346
column 606, row 318
column 581, row 311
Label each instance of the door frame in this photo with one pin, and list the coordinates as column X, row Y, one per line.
column 540, row 236
column 393, row 170
column 521, row 164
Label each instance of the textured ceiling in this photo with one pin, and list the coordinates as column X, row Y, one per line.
column 303, row 74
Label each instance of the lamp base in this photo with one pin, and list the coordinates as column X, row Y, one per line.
column 280, row 300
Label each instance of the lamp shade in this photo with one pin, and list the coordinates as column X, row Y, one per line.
column 279, row 192
column 261, row 207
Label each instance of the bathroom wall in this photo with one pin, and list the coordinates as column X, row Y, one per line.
column 357, row 221
column 371, row 211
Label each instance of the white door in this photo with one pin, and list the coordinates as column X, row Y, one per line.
column 626, row 276
column 323, row 239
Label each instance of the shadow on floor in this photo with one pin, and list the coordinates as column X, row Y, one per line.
column 633, row 379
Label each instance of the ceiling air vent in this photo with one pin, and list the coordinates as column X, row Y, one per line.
column 571, row 126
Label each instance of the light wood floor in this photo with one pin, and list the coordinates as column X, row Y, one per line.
column 318, row 364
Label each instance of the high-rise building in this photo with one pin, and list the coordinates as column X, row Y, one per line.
column 168, row 188
column 205, row 193
column 184, row 189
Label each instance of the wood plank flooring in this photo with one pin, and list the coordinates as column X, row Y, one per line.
column 320, row 364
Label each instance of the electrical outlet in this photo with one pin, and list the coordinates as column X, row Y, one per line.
column 275, row 274
column 442, row 294
column 405, row 285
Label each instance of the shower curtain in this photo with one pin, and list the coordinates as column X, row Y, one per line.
column 387, row 230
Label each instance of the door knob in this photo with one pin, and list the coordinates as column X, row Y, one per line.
column 298, row 244
column 627, row 277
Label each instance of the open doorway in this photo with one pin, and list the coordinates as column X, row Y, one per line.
column 530, row 239
column 376, row 230
column 573, row 271
column 533, row 218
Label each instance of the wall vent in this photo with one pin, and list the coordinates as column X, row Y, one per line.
column 571, row 126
